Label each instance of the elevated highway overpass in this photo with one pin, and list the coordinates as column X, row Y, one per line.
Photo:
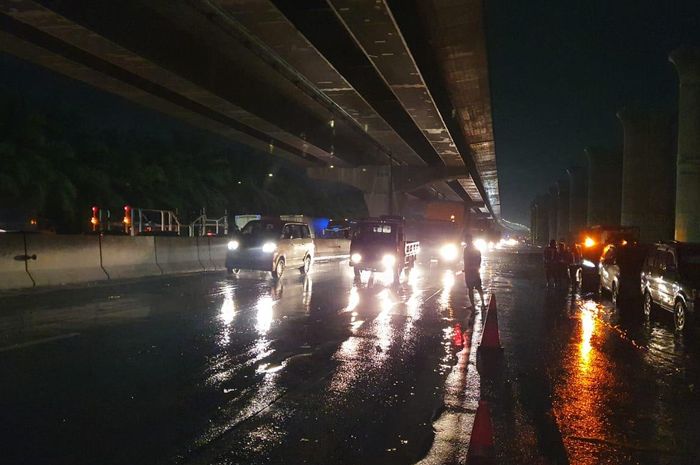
column 324, row 83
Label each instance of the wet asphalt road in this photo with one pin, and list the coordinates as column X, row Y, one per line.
column 216, row 369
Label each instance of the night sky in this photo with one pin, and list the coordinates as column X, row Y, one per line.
column 559, row 72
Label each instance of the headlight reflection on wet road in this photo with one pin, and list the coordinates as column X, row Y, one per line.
column 264, row 308
column 448, row 281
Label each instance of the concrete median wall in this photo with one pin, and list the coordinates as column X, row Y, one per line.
column 177, row 254
column 327, row 249
column 74, row 259
column 129, row 257
column 217, row 252
column 13, row 272
column 64, row 259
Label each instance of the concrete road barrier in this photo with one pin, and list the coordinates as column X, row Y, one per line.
column 218, row 246
column 324, row 248
column 343, row 247
column 13, row 272
column 329, row 249
column 64, row 259
column 129, row 257
column 177, row 254
column 204, row 253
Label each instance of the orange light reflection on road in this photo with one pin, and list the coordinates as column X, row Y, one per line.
column 580, row 397
column 588, row 326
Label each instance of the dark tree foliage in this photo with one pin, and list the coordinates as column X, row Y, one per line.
column 57, row 165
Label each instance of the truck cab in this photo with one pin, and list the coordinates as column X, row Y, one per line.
column 379, row 244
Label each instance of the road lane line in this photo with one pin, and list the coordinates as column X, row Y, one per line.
column 35, row 342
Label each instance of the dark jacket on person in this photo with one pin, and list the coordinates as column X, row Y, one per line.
column 550, row 255
column 472, row 261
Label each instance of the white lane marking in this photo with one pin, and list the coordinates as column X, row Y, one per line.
column 35, row 342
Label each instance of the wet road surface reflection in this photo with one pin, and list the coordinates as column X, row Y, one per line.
column 321, row 369
column 216, row 369
column 590, row 383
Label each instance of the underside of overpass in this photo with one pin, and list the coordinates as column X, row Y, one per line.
column 320, row 82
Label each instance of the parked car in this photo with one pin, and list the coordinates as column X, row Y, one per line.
column 619, row 270
column 271, row 245
column 670, row 279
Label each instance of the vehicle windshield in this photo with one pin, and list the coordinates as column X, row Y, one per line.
column 375, row 232
column 261, row 227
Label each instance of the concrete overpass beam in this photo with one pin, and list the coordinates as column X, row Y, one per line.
column 648, row 173
column 687, row 222
column 376, row 182
column 604, row 188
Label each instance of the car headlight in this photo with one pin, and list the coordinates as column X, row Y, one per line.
column 269, row 247
column 588, row 263
column 388, row 261
column 233, row 245
column 449, row 252
column 356, row 258
column 481, row 245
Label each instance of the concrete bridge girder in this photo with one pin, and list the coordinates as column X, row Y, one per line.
column 379, row 182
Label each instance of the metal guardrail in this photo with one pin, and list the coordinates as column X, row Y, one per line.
column 137, row 221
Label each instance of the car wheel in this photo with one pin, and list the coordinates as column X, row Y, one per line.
column 279, row 269
column 306, row 267
column 680, row 316
column 648, row 304
column 614, row 294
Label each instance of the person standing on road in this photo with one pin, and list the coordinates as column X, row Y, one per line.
column 550, row 262
column 563, row 262
column 472, row 271
column 574, row 264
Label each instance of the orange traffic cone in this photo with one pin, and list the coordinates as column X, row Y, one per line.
column 489, row 337
column 481, row 443
column 457, row 338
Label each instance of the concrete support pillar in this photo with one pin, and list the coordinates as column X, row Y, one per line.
column 563, row 209
column 578, row 198
column 552, row 223
column 604, row 186
column 533, row 222
column 542, row 219
column 648, row 173
column 687, row 221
